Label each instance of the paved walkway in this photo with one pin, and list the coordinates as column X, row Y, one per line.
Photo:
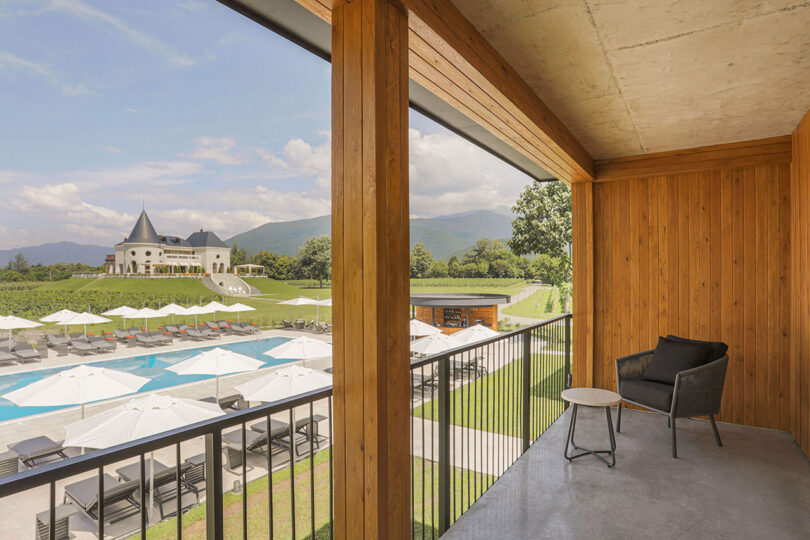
column 522, row 295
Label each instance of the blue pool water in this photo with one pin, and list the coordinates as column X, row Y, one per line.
column 152, row 366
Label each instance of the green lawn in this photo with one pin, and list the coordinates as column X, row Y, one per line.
column 503, row 386
column 536, row 306
column 258, row 506
column 508, row 286
column 284, row 291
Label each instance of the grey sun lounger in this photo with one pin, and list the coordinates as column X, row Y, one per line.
column 54, row 340
column 119, row 498
column 122, row 335
column 82, row 347
column 102, row 344
column 196, row 335
column 255, row 443
column 164, row 482
column 9, row 463
column 7, row 358
column 38, row 450
column 26, row 353
column 159, row 336
column 147, row 341
column 214, row 326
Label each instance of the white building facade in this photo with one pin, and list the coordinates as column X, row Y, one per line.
column 144, row 252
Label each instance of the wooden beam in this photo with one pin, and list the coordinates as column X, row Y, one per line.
column 583, row 307
column 774, row 150
column 451, row 59
column 370, row 269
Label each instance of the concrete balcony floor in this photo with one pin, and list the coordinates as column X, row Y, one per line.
column 756, row 486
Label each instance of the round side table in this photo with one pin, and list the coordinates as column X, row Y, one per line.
column 591, row 397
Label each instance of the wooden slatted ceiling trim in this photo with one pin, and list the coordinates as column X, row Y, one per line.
column 698, row 253
column 741, row 154
column 449, row 58
column 799, row 367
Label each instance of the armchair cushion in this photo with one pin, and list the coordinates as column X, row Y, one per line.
column 671, row 357
column 653, row 394
column 718, row 348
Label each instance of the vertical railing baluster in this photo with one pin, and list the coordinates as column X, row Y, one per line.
column 179, row 492
column 214, row 526
column 270, row 478
column 444, row 444
column 293, row 450
column 527, row 356
column 312, row 467
column 52, row 508
column 144, row 509
column 413, row 459
column 100, row 503
column 422, row 461
column 331, row 473
column 568, row 352
column 244, row 479
column 433, row 413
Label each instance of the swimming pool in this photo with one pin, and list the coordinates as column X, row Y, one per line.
column 152, row 366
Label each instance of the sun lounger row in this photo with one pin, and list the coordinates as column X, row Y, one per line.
column 17, row 353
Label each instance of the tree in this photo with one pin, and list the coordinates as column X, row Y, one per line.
column 421, row 261
column 542, row 221
column 499, row 268
column 548, row 270
column 315, row 258
column 439, row 269
column 19, row 263
column 238, row 256
column 454, row 269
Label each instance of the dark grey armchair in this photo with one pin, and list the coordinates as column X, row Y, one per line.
column 697, row 391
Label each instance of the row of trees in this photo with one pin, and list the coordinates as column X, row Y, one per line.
column 313, row 261
column 19, row 269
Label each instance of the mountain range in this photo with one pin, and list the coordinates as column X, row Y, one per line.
column 59, row 252
column 442, row 235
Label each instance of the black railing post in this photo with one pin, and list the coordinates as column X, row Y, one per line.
column 525, row 384
column 213, row 486
column 567, row 353
column 444, row 444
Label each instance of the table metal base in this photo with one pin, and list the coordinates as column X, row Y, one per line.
column 585, row 451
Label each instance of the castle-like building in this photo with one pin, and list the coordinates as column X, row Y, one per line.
column 146, row 252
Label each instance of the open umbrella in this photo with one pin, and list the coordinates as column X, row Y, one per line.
column 238, row 309
column 216, row 362
column 301, row 348
column 434, row 344
column 121, row 311
column 300, row 301
column 474, row 334
column 283, row 383
column 327, row 302
column 196, row 310
column 15, row 323
column 419, row 329
column 214, row 307
column 59, row 316
column 80, row 385
column 145, row 313
column 85, row 319
column 136, row 419
column 172, row 309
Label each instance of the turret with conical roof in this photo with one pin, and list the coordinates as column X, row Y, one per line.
column 143, row 231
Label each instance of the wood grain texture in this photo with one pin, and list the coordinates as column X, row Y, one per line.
column 798, row 392
column 701, row 253
column 448, row 57
column 370, row 269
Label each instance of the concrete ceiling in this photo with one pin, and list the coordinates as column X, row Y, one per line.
column 632, row 77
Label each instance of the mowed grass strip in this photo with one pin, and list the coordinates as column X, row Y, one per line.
column 537, row 305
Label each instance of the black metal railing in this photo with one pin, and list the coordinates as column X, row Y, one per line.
column 476, row 410
column 300, row 443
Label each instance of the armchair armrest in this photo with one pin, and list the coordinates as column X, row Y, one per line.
column 632, row 366
column 699, row 390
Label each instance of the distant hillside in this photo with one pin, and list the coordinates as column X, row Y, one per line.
column 443, row 235
column 59, row 252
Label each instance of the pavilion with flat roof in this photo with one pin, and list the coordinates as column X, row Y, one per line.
column 452, row 312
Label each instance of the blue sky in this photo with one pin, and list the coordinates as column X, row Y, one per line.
column 187, row 107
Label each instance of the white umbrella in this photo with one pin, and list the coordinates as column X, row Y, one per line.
column 283, row 383
column 301, row 348
column 238, row 309
column 82, row 384
column 196, row 310
column 15, row 323
column 136, row 419
column 216, row 362
column 85, row 319
column 419, row 329
column 172, row 309
column 214, row 307
column 121, row 311
column 59, row 316
column 145, row 313
column 300, row 301
column 327, row 302
column 474, row 333
column 435, row 344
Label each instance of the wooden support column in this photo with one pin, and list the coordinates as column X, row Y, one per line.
column 370, row 269
column 583, row 306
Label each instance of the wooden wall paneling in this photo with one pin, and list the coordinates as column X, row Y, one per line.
column 641, row 298
column 737, row 359
column 722, row 247
column 785, row 299
column 583, row 230
column 750, row 297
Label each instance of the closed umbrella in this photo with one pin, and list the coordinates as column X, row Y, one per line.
column 145, row 313
column 85, row 319
column 136, row 419
column 474, row 334
column 420, row 329
column 80, row 385
column 216, row 362
column 435, row 344
column 238, row 309
column 301, row 348
column 121, row 311
column 15, row 323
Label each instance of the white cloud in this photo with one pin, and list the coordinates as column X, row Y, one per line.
column 218, row 149
column 12, row 61
column 143, row 176
column 131, row 110
column 299, row 158
column 225, row 223
column 113, row 150
column 156, row 46
column 275, row 205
